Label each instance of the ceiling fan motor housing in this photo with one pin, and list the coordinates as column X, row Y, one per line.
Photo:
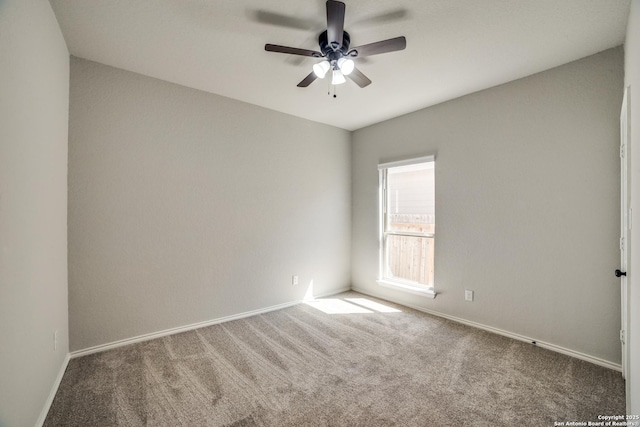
column 328, row 50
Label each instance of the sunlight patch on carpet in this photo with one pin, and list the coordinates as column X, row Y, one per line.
column 376, row 306
column 337, row 306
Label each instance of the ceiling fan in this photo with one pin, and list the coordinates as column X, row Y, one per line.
column 334, row 48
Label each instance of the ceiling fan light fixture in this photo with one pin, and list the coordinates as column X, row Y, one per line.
column 337, row 78
column 320, row 69
column 346, row 65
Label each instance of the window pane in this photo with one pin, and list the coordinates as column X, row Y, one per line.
column 410, row 258
column 411, row 198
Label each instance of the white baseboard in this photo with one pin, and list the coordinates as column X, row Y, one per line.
column 172, row 331
column 52, row 393
column 548, row 346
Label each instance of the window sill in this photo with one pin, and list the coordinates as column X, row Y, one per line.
column 416, row 290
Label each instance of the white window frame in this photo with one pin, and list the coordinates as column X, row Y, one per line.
column 409, row 287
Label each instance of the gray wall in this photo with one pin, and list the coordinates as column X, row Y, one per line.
column 186, row 206
column 632, row 78
column 34, row 96
column 527, row 204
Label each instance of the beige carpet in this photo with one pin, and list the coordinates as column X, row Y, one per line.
column 347, row 360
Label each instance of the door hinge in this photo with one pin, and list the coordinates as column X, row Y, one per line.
column 622, row 336
column 622, row 243
column 622, row 151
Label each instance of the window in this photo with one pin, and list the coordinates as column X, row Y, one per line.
column 407, row 225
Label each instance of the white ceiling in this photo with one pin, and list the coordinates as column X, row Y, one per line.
column 454, row 47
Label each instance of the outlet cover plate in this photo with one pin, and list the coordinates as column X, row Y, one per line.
column 468, row 295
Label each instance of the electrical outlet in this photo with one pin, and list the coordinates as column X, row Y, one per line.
column 294, row 280
column 55, row 340
column 468, row 295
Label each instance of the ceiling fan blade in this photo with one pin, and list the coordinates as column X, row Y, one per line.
column 271, row 18
column 291, row 50
column 308, row 80
column 384, row 46
column 393, row 15
column 359, row 78
column 335, row 23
